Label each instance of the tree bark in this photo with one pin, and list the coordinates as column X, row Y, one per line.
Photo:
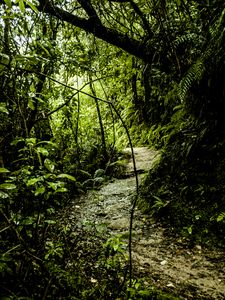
column 94, row 26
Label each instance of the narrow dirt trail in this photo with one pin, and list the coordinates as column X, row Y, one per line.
column 165, row 261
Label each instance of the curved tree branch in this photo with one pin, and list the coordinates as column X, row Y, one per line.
column 142, row 16
column 94, row 26
column 89, row 9
column 109, row 35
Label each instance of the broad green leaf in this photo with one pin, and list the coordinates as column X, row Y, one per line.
column 48, row 143
column 61, row 190
column 19, row 57
column 50, row 221
column 115, row 247
column 12, row 16
column 3, row 195
column 50, row 175
column 28, row 221
column 4, row 170
column 22, row 6
column 70, row 177
column 53, row 185
column 31, row 141
column 221, row 217
column 3, row 108
column 51, row 210
column 7, row 186
column 189, row 229
column 33, row 181
column 42, row 151
column 32, row 88
column 8, row 3
column 16, row 141
column 30, row 104
column 49, row 165
column 39, row 191
column 40, row 100
column 144, row 293
column 32, row 6
column 4, row 55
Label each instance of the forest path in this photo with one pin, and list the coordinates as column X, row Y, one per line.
column 164, row 260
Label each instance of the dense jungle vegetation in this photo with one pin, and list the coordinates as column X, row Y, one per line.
column 75, row 77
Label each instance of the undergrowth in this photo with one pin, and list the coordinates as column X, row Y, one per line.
column 186, row 187
column 45, row 252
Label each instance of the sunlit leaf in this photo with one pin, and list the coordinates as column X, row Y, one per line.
column 39, row 191
column 61, row 190
column 31, row 141
column 33, row 181
column 3, row 108
column 30, row 104
column 16, row 141
column 49, row 165
column 50, row 175
column 53, row 185
column 42, row 151
column 49, row 143
column 7, row 186
column 189, row 229
column 32, row 6
column 40, row 100
column 70, row 177
column 8, row 3
column 22, row 6
column 4, row 170
column 221, row 217
column 3, row 195
column 3, row 55
column 50, row 221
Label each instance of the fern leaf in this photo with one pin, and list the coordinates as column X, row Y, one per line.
column 193, row 75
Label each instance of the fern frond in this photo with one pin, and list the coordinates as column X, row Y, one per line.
column 216, row 27
column 197, row 70
column 189, row 37
column 193, row 75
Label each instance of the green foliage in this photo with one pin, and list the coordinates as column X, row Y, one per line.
column 25, row 223
column 59, row 135
column 186, row 188
column 213, row 48
column 221, row 217
column 142, row 292
column 194, row 75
